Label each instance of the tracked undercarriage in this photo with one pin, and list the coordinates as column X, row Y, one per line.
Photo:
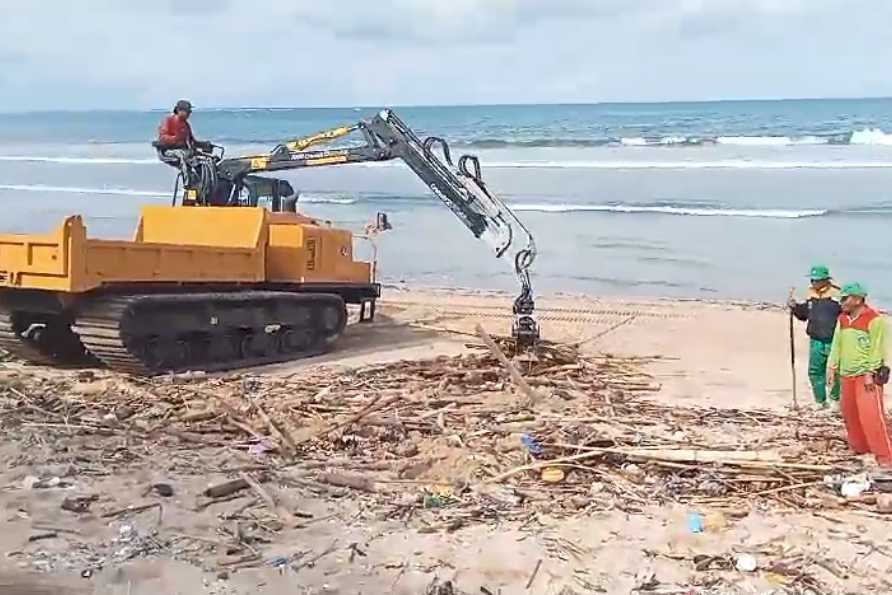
column 157, row 332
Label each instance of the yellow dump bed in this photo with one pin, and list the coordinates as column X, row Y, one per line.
column 183, row 245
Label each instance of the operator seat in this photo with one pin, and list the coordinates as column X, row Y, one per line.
column 164, row 157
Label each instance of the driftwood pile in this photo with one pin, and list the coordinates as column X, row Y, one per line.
column 485, row 435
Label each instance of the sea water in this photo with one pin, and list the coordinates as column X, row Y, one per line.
column 714, row 199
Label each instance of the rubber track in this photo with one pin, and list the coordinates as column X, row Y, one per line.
column 98, row 327
column 19, row 348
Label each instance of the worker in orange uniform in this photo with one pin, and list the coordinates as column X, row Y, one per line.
column 857, row 357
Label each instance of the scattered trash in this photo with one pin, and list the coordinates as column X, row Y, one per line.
column 278, row 561
column 553, row 475
column 259, row 448
column 35, row 483
column 745, row 563
column 438, row 588
column 79, row 504
column 854, row 487
column 86, row 573
column 434, row 501
column 165, row 490
column 442, row 490
column 695, row 522
column 848, row 486
column 226, row 488
column 632, row 471
column 531, row 443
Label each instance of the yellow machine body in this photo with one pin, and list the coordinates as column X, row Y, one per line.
column 184, row 245
column 205, row 288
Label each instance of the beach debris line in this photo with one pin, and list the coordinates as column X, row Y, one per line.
column 438, row 444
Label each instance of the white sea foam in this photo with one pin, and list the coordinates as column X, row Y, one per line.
column 717, row 164
column 669, row 210
column 327, row 200
column 634, row 142
column 78, row 160
column 755, row 141
column 80, row 190
column 870, row 136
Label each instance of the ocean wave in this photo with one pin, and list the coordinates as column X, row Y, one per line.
column 328, row 200
column 771, row 141
column 866, row 136
column 678, row 209
column 78, row 160
column 870, row 136
column 562, row 164
column 80, row 190
column 669, row 210
column 717, row 164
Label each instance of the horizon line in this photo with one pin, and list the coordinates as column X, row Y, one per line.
column 454, row 105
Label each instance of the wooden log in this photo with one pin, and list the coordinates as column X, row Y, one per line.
column 226, row 488
column 287, row 440
column 354, row 481
column 512, row 370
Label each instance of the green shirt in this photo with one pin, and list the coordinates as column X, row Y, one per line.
column 859, row 344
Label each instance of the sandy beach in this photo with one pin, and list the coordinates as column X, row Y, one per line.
column 690, row 375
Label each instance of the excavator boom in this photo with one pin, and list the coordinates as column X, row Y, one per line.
column 386, row 137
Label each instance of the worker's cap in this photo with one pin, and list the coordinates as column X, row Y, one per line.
column 182, row 106
column 819, row 272
column 855, row 289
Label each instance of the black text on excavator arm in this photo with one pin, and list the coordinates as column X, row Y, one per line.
column 459, row 185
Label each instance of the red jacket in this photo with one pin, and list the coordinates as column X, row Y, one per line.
column 174, row 132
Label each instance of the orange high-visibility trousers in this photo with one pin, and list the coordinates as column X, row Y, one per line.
column 865, row 418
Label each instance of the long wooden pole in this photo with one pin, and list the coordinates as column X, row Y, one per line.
column 793, row 359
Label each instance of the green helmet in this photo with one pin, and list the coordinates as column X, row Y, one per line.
column 819, row 272
column 855, row 289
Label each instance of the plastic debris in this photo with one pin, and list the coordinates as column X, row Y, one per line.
column 165, row 490
column 259, row 448
column 553, row 475
column 531, row 443
column 434, row 501
column 745, row 563
column 79, row 504
column 695, row 522
column 854, row 487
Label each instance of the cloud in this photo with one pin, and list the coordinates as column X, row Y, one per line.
column 105, row 53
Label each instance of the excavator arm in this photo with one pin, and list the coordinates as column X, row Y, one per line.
column 458, row 184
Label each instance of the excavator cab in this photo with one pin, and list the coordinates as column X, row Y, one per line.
column 272, row 194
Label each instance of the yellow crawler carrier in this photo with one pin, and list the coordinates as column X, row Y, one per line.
column 197, row 288
column 218, row 282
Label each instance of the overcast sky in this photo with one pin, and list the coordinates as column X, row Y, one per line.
column 82, row 54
